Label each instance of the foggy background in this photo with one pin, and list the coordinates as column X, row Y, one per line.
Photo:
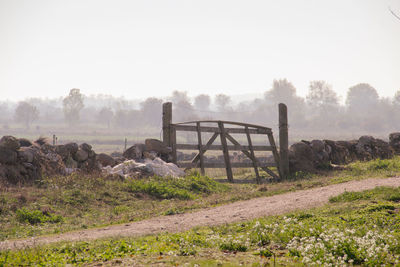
column 98, row 71
column 106, row 120
column 143, row 48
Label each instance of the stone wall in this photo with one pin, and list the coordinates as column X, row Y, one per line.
column 311, row 156
column 22, row 160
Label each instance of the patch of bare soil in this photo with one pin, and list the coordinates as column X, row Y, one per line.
column 234, row 212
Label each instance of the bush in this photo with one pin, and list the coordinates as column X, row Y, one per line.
column 350, row 196
column 180, row 188
column 233, row 247
column 36, row 217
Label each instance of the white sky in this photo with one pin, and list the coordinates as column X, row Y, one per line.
column 148, row 48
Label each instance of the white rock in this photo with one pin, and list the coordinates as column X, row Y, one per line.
column 151, row 167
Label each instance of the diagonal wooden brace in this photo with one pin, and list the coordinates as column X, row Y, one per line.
column 233, row 141
column 204, row 149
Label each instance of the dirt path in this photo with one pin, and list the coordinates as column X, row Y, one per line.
column 238, row 211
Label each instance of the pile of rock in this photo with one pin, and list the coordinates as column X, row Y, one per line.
column 320, row 154
column 151, row 149
column 149, row 167
column 76, row 157
column 394, row 141
column 141, row 160
column 22, row 160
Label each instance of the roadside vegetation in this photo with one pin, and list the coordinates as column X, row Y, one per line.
column 65, row 203
column 354, row 229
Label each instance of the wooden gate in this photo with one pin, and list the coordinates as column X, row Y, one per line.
column 223, row 130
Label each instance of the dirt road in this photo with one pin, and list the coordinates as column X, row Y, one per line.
column 234, row 212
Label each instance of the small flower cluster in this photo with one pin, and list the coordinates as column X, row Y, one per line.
column 335, row 247
column 313, row 242
column 232, row 243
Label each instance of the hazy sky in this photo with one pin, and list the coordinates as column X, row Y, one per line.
column 149, row 48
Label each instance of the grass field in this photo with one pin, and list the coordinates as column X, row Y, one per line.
column 65, row 203
column 354, row 229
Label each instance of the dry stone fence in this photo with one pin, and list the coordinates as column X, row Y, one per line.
column 310, row 156
column 22, row 160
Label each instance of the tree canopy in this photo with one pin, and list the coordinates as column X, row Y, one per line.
column 72, row 106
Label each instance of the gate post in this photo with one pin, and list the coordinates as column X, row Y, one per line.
column 166, row 122
column 283, row 141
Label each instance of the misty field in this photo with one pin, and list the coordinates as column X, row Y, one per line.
column 106, row 121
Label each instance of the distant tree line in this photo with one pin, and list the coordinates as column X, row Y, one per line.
column 321, row 109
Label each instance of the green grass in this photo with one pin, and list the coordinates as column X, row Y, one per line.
column 65, row 203
column 92, row 201
column 168, row 188
column 36, row 216
column 387, row 193
column 379, row 168
column 360, row 231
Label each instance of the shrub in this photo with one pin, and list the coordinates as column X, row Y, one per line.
column 36, row 217
column 233, row 246
column 395, row 197
column 350, row 196
column 266, row 253
column 181, row 188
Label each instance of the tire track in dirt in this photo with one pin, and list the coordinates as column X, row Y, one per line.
column 234, row 212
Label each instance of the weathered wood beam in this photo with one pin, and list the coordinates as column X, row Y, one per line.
column 219, row 147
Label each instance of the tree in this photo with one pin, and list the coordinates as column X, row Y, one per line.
column 362, row 98
column 283, row 91
column 182, row 106
column 396, row 108
column 122, row 118
column 4, row 112
column 363, row 107
column 26, row 113
column 202, row 102
column 321, row 95
column 222, row 101
column 323, row 104
column 106, row 115
column 396, row 99
column 150, row 111
column 72, row 105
